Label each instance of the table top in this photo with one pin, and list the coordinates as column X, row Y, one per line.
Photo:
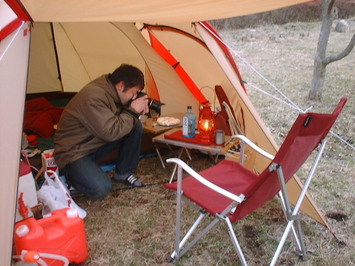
column 152, row 126
column 202, row 147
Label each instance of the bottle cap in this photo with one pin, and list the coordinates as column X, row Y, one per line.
column 72, row 213
column 22, row 230
column 30, row 256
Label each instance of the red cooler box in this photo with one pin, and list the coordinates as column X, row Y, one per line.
column 62, row 233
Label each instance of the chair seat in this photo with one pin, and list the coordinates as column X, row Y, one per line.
column 228, row 175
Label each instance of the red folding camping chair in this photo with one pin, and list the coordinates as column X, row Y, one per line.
column 228, row 191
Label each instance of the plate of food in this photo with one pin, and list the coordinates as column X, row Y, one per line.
column 167, row 121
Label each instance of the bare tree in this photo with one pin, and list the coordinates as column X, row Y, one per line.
column 321, row 60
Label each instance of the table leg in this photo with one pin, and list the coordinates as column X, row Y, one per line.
column 160, row 158
column 216, row 158
column 188, row 154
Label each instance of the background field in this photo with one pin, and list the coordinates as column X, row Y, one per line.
column 135, row 226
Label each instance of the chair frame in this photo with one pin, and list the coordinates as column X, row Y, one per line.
column 291, row 215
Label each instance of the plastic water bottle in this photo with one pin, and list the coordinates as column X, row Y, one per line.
column 188, row 123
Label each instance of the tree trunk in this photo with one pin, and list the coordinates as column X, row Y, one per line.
column 317, row 83
column 320, row 60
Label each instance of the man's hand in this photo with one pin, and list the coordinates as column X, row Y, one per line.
column 140, row 105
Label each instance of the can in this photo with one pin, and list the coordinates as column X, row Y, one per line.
column 219, row 137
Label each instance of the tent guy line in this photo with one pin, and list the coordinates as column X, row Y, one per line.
column 278, row 99
column 299, row 110
column 288, row 102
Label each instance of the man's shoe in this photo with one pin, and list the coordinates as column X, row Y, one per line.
column 129, row 181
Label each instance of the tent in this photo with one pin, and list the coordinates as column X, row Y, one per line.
column 178, row 54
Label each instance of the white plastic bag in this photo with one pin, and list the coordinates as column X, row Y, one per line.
column 55, row 195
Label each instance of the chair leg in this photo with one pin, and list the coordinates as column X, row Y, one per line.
column 298, row 235
column 179, row 244
column 179, row 252
column 296, row 231
column 235, row 241
column 291, row 217
column 282, row 242
column 198, row 237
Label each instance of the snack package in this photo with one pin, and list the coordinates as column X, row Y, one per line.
column 48, row 161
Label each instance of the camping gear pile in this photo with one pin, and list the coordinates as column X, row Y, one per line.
column 49, row 227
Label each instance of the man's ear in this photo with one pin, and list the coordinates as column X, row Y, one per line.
column 120, row 86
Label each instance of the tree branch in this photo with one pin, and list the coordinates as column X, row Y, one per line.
column 342, row 54
column 329, row 6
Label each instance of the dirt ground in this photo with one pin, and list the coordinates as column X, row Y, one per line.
column 136, row 226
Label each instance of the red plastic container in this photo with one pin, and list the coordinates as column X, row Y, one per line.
column 62, row 233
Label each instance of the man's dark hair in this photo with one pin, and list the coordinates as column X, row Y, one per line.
column 130, row 75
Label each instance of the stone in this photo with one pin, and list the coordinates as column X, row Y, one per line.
column 342, row 26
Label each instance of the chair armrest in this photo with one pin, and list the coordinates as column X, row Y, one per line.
column 253, row 146
column 204, row 181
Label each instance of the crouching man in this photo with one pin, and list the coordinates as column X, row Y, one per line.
column 101, row 116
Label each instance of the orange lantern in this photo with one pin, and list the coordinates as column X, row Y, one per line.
column 206, row 124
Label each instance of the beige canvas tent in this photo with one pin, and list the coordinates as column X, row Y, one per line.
column 93, row 37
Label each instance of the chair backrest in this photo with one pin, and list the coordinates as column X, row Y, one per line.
column 304, row 136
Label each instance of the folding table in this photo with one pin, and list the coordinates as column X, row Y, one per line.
column 212, row 149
